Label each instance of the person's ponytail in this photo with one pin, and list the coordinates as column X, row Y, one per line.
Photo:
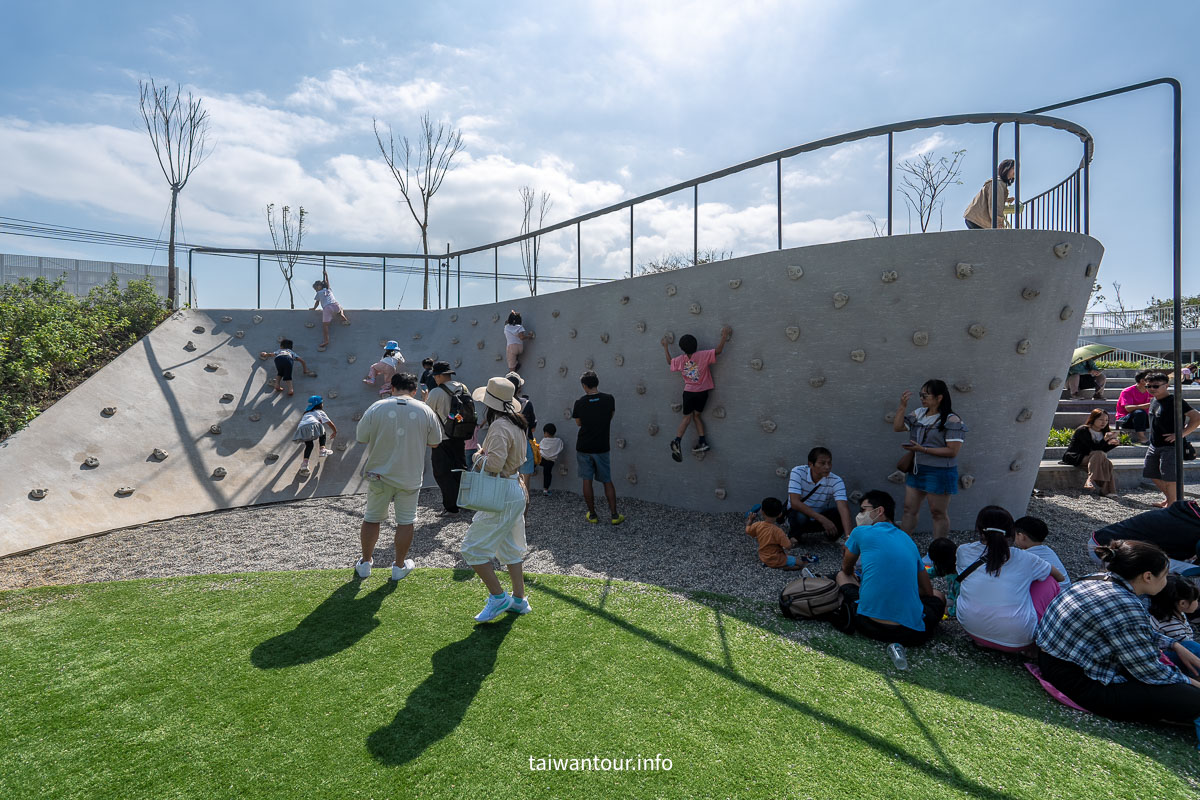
column 1130, row 558
column 995, row 528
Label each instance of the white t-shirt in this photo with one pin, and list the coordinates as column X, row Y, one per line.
column 316, row 415
column 325, row 298
column 998, row 608
column 397, row 431
column 551, row 448
column 512, row 334
column 1050, row 557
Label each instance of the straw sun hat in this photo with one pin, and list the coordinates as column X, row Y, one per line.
column 497, row 395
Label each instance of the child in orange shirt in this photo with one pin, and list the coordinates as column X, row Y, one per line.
column 772, row 541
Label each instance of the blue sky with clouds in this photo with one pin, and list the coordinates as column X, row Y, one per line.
column 592, row 102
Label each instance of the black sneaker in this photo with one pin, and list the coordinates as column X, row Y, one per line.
column 676, row 450
column 700, row 447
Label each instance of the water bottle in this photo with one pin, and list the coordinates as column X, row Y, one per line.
column 895, row 652
column 808, row 573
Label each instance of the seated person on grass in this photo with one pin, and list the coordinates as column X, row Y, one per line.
column 817, row 498
column 895, row 601
column 772, row 541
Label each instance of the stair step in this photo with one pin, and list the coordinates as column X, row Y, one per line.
column 1127, row 471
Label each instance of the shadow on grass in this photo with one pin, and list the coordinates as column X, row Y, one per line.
column 336, row 624
column 438, row 705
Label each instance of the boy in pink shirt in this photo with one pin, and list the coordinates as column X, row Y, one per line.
column 697, row 383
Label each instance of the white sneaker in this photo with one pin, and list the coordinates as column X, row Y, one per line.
column 363, row 568
column 326, row 452
column 399, row 573
column 494, row 608
column 520, row 605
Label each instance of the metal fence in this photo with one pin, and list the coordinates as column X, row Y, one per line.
column 80, row 276
column 1158, row 318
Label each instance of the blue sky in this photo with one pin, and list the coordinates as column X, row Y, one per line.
column 592, row 102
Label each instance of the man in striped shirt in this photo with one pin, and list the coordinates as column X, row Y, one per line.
column 817, row 498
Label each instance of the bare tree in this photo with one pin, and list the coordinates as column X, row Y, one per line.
column 531, row 248
column 178, row 130
column 421, row 167
column 286, row 239
column 923, row 182
column 876, row 226
column 669, row 262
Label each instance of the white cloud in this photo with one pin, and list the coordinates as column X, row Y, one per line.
column 354, row 91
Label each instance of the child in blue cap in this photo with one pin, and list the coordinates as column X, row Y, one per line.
column 312, row 428
column 387, row 366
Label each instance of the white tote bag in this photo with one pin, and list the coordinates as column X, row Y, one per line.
column 479, row 491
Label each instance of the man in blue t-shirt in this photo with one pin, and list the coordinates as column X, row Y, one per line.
column 895, row 601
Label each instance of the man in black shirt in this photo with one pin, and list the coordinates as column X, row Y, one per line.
column 1176, row 529
column 1160, row 458
column 593, row 414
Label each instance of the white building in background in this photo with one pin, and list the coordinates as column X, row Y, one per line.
column 81, row 276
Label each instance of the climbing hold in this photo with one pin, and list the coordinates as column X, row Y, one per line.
column 792, row 332
column 589, row 364
column 816, row 381
column 719, row 412
column 652, row 429
column 640, row 327
column 719, row 494
column 890, row 276
column 263, row 356
column 1014, row 466
column 1029, row 294
column 350, row 359
column 212, row 367
column 671, row 290
column 190, row 346
column 198, row 329
column 554, row 313
column 694, row 308
column 453, row 340
column 1025, row 415
column 125, row 491
column 769, row 426
column 631, row 477
column 1091, row 270
column 920, row 338
column 541, row 362
column 795, row 272
column 735, row 283
column 966, row 481
column 604, row 338
column 858, row 355
column 332, row 395
column 619, row 360
column 226, row 319
column 457, row 363
column 896, row 477
column 621, row 444
column 856, row 496
column 272, row 458
column 572, row 333
column 214, row 429
column 640, row 388
column 310, row 373
column 1066, row 313
column 357, row 416
column 566, row 413
column 280, row 338
column 1023, row 346
column 257, row 318
column 625, row 300
column 677, row 407
column 563, row 470
column 495, row 317
column 227, row 398
column 963, row 271
column 340, row 447
column 240, row 334
column 963, row 387
column 454, row 317
column 219, row 472
column 255, row 417
column 108, row 411
column 977, row 331
column 1061, row 250
column 480, row 344
column 310, row 324
column 782, row 472
column 169, row 375
column 840, row 299
column 889, row 417
column 499, row 356
column 669, row 337
column 159, row 454
column 563, row 370
column 474, row 322
column 1055, row 382
column 416, row 336
column 91, row 462
column 699, row 455
column 756, row 363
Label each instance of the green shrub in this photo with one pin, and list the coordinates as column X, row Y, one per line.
column 51, row 341
column 1132, row 364
column 1061, row 437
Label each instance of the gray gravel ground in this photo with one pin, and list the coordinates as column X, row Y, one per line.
column 657, row 544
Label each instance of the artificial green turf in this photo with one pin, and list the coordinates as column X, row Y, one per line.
column 302, row 685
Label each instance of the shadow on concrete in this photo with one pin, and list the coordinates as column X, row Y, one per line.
column 333, row 626
column 438, row 705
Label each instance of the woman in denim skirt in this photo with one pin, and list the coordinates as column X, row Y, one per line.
column 936, row 435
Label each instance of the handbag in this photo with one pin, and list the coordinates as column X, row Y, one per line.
column 480, row 491
column 1072, row 457
column 905, row 464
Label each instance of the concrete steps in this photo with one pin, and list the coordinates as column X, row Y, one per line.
column 1127, row 471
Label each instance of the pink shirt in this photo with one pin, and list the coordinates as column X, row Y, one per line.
column 1131, row 396
column 695, row 369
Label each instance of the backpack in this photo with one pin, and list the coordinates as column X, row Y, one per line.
column 460, row 423
column 810, row 598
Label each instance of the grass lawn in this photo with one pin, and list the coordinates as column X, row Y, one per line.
column 311, row 685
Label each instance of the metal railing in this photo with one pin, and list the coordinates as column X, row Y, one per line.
column 1158, row 318
column 450, row 261
column 1059, row 208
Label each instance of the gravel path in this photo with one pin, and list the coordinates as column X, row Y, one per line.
column 657, row 544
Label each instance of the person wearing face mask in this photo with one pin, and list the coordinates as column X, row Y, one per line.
column 895, row 602
column 979, row 213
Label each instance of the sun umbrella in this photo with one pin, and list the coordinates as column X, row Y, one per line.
column 1089, row 351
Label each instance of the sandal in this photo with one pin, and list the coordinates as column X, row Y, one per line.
column 322, row 347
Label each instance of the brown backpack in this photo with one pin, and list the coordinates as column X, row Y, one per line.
column 810, row 598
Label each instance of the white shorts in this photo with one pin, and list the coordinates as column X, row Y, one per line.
column 499, row 534
column 327, row 312
column 381, row 494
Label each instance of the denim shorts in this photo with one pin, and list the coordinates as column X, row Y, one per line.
column 934, row 480
column 594, row 466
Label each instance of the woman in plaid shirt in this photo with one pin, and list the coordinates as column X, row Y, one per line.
column 1099, row 648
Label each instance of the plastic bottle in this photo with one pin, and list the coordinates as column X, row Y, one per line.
column 896, row 652
column 808, row 573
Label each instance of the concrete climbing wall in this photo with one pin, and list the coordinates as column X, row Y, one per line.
column 825, row 339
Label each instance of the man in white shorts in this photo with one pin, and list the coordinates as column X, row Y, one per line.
column 396, row 431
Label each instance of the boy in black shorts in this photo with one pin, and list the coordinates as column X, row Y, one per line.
column 284, row 358
column 697, row 383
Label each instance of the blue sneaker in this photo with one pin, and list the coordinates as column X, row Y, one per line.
column 494, row 608
column 520, row 605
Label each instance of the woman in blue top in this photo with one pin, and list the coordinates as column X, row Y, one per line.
column 935, row 436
